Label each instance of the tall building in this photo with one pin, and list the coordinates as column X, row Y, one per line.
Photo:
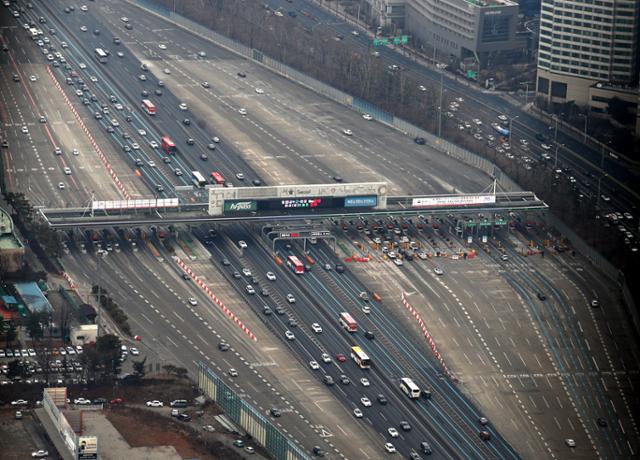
column 588, row 49
column 460, row 29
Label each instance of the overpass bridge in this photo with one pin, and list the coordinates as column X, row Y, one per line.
column 278, row 204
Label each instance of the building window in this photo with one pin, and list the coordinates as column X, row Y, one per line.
column 558, row 89
column 543, row 85
column 495, row 29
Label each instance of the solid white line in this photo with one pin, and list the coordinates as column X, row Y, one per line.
column 174, row 344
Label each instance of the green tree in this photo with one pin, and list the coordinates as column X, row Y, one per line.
column 139, row 368
column 169, row 368
column 10, row 334
column 619, row 111
column 34, row 325
column 108, row 348
column 15, row 369
column 181, row 372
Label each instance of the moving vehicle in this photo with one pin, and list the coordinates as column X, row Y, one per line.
column 409, row 387
column 294, row 263
column 168, row 146
column 347, row 322
column 500, row 129
column 198, row 179
column 360, row 357
column 149, row 107
column 101, row 55
column 217, row 178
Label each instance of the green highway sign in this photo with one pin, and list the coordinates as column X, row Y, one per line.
column 470, row 224
column 240, row 206
column 485, row 223
column 500, row 222
column 399, row 40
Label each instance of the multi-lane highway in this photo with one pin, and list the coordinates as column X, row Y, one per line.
column 531, row 353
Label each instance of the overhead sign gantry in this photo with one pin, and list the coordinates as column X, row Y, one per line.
column 294, row 199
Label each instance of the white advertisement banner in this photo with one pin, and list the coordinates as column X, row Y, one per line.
column 458, row 200
column 147, row 203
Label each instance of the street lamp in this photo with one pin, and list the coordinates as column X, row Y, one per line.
column 441, row 68
column 511, row 126
column 101, row 255
column 555, row 164
column 586, row 121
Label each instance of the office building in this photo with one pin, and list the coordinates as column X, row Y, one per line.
column 588, row 51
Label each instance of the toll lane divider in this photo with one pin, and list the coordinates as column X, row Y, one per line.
column 94, row 144
column 66, row 276
column 432, row 343
column 215, row 299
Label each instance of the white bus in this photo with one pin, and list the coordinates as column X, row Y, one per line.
column 101, row 55
column 409, row 387
column 198, row 179
column 360, row 357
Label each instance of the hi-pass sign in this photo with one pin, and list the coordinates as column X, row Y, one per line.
column 452, row 200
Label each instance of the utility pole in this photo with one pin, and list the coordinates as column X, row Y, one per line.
column 101, row 255
column 441, row 67
column 555, row 164
column 511, row 127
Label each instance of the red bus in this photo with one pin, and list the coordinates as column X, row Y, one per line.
column 148, row 107
column 168, row 146
column 347, row 321
column 294, row 263
column 217, row 178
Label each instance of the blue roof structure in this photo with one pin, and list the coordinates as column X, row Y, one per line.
column 33, row 297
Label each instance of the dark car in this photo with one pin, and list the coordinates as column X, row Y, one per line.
column 425, row 448
column 280, row 310
column 242, row 74
column 226, row 262
column 99, row 401
column 186, row 122
column 381, row 399
column 340, row 268
column 541, row 296
column 184, row 417
column 317, row 451
column 190, row 141
column 275, row 412
column 223, row 346
column 602, row 422
column 414, row 456
column 405, row 425
column 369, row 335
column 328, row 380
column 185, row 276
column 485, row 435
column 420, row 140
column 344, row 380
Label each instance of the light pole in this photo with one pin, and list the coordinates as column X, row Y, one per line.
column 101, row 255
column 555, row 164
column 511, row 126
column 555, row 132
column 440, row 67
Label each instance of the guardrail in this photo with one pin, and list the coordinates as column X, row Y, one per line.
column 248, row 417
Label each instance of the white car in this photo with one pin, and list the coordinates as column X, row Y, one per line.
column 365, row 382
column 19, row 402
column 83, row 28
column 289, row 335
column 271, row 276
column 134, row 351
column 438, row 271
column 33, row 78
column 61, row 185
column 153, row 144
column 246, row 272
column 67, row 170
column 39, row 454
column 124, row 19
column 120, row 54
column 570, row 442
column 75, row 152
column 242, row 244
column 367, row 116
column 291, row 298
column 357, row 412
column 347, row 132
column 545, row 146
column 422, row 88
column 135, row 146
column 314, row 365
column 25, row 130
column 142, row 77
column 250, row 289
column 82, row 65
column 316, row 328
column 503, row 117
column 193, row 301
column 232, row 372
column 366, row 402
column 81, row 401
column 142, row 132
column 259, row 91
column 167, row 71
column 326, row 358
column 242, row 111
column 205, row 84
column 355, row 33
column 162, row 46
column 393, row 432
column 240, row 176
column 31, row 352
column 155, row 403
column 84, row 8
column 398, row 262
column 389, row 447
